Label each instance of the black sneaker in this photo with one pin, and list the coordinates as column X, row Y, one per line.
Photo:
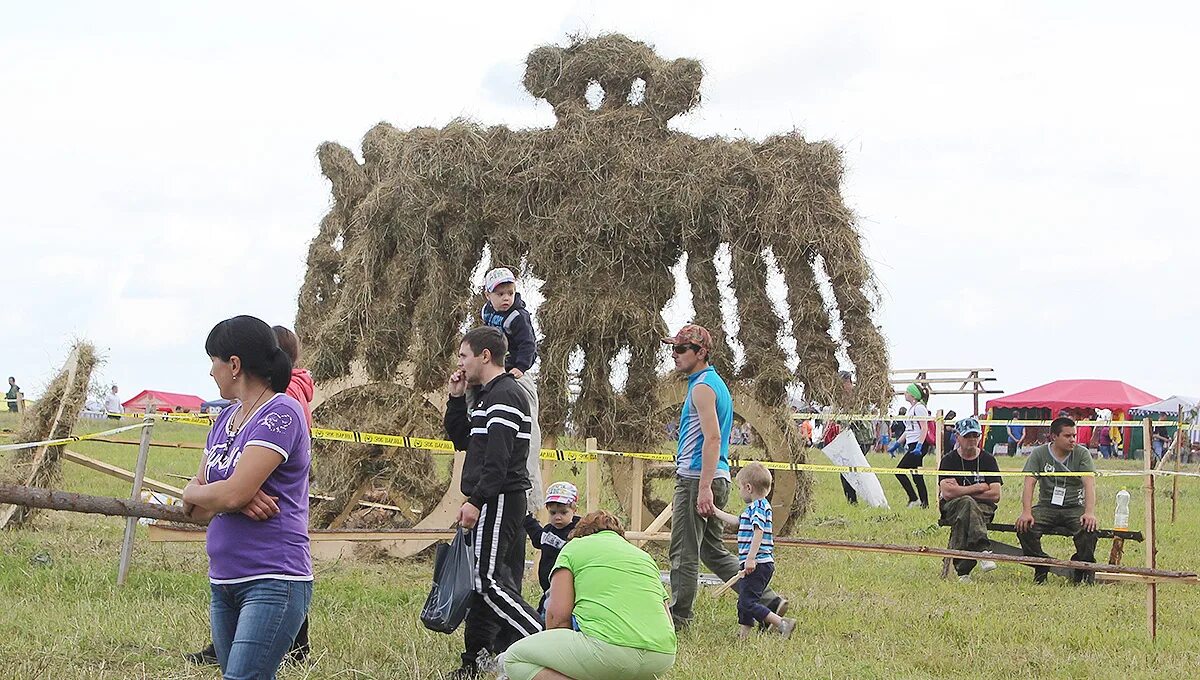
column 297, row 655
column 204, row 657
column 1039, row 576
column 465, row 672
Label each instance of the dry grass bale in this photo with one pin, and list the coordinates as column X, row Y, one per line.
column 341, row 469
column 53, row 416
column 599, row 207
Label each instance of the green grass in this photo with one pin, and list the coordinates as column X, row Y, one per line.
column 860, row 615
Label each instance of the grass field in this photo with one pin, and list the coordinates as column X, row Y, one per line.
column 860, row 615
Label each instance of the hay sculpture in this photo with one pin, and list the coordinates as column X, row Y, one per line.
column 599, row 207
column 52, row 417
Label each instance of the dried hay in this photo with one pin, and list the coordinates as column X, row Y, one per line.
column 600, row 207
column 342, row 469
column 53, row 416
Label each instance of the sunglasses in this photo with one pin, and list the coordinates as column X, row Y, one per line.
column 683, row 349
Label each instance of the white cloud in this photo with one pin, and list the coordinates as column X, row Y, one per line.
column 1024, row 171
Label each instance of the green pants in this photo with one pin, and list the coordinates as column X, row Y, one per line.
column 696, row 539
column 581, row 657
column 968, row 520
column 1053, row 519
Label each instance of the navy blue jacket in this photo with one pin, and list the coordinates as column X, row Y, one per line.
column 517, row 326
column 550, row 540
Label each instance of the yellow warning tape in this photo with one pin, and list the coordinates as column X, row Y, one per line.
column 570, row 455
column 68, row 440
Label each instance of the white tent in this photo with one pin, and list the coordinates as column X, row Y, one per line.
column 1166, row 407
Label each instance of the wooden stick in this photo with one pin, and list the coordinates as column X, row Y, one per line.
column 1152, row 587
column 728, row 585
column 163, row 445
column 658, row 523
column 1178, row 455
column 50, row 499
column 593, row 477
column 1108, row 577
column 122, row 473
column 635, row 502
column 926, row 551
column 139, row 473
column 940, row 424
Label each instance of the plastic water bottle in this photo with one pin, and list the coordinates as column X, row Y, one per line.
column 1121, row 519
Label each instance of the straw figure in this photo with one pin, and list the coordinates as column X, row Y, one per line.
column 600, row 207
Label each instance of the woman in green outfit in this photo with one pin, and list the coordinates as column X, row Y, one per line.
column 614, row 591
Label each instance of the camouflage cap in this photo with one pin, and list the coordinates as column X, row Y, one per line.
column 691, row 334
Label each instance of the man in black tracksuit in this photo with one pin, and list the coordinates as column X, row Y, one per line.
column 494, row 431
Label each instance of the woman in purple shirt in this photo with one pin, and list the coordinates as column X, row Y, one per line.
column 253, row 484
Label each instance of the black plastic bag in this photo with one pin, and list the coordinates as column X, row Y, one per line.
column 453, row 586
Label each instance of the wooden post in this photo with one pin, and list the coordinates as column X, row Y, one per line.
column 20, row 402
column 635, row 495
column 139, row 472
column 940, row 424
column 1178, row 455
column 1151, row 546
column 593, row 477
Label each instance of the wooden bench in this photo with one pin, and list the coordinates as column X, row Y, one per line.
column 1119, row 537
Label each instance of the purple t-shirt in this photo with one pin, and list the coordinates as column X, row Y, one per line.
column 242, row 549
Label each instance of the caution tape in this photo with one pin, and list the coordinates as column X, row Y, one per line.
column 444, row 446
column 858, row 417
column 68, row 440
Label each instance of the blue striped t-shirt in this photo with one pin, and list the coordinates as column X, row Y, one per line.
column 756, row 515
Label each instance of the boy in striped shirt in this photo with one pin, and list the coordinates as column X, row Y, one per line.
column 756, row 551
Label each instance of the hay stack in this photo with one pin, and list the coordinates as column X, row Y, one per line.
column 600, row 207
column 52, row 417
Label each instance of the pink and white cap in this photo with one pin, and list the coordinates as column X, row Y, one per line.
column 496, row 277
column 562, row 492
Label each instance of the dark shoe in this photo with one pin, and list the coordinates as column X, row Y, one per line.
column 204, row 657
column 465, row 672
column 1039, row 576
column 297, row 654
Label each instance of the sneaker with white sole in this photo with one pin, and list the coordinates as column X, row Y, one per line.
column 964, row 578
column 914, row 504
column 987, row 565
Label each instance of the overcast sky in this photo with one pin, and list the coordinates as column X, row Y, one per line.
column 1022, row 174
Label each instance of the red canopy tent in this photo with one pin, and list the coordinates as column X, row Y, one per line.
column 1060, row 394
column 1050, row 400
column 166, row 402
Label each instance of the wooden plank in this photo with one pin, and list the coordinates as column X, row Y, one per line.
column 937, row 381
column 925, row 551
column 161, row 445
column 941, row 370
column 1108, row 577
column 635, row 502
column 593, row 477
column 121, row 473
column 1103, row 533
column 135, row 494
column 1151, row 547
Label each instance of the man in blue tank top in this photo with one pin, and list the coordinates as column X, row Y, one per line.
column 702, row 480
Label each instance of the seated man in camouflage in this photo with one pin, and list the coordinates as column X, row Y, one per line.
column 968, row 502
column 1065, row 504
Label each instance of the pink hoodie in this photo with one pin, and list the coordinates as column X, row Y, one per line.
column 301, row 389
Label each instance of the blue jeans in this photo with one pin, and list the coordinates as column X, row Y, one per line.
column 254, row 623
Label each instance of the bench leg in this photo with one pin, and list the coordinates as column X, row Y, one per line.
column 945, row 567
column 1118, row 549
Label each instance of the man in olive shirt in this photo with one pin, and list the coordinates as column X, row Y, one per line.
column 968, row 502
column 1064, row 503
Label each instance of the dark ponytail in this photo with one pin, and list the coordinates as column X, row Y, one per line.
column 253, row 342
